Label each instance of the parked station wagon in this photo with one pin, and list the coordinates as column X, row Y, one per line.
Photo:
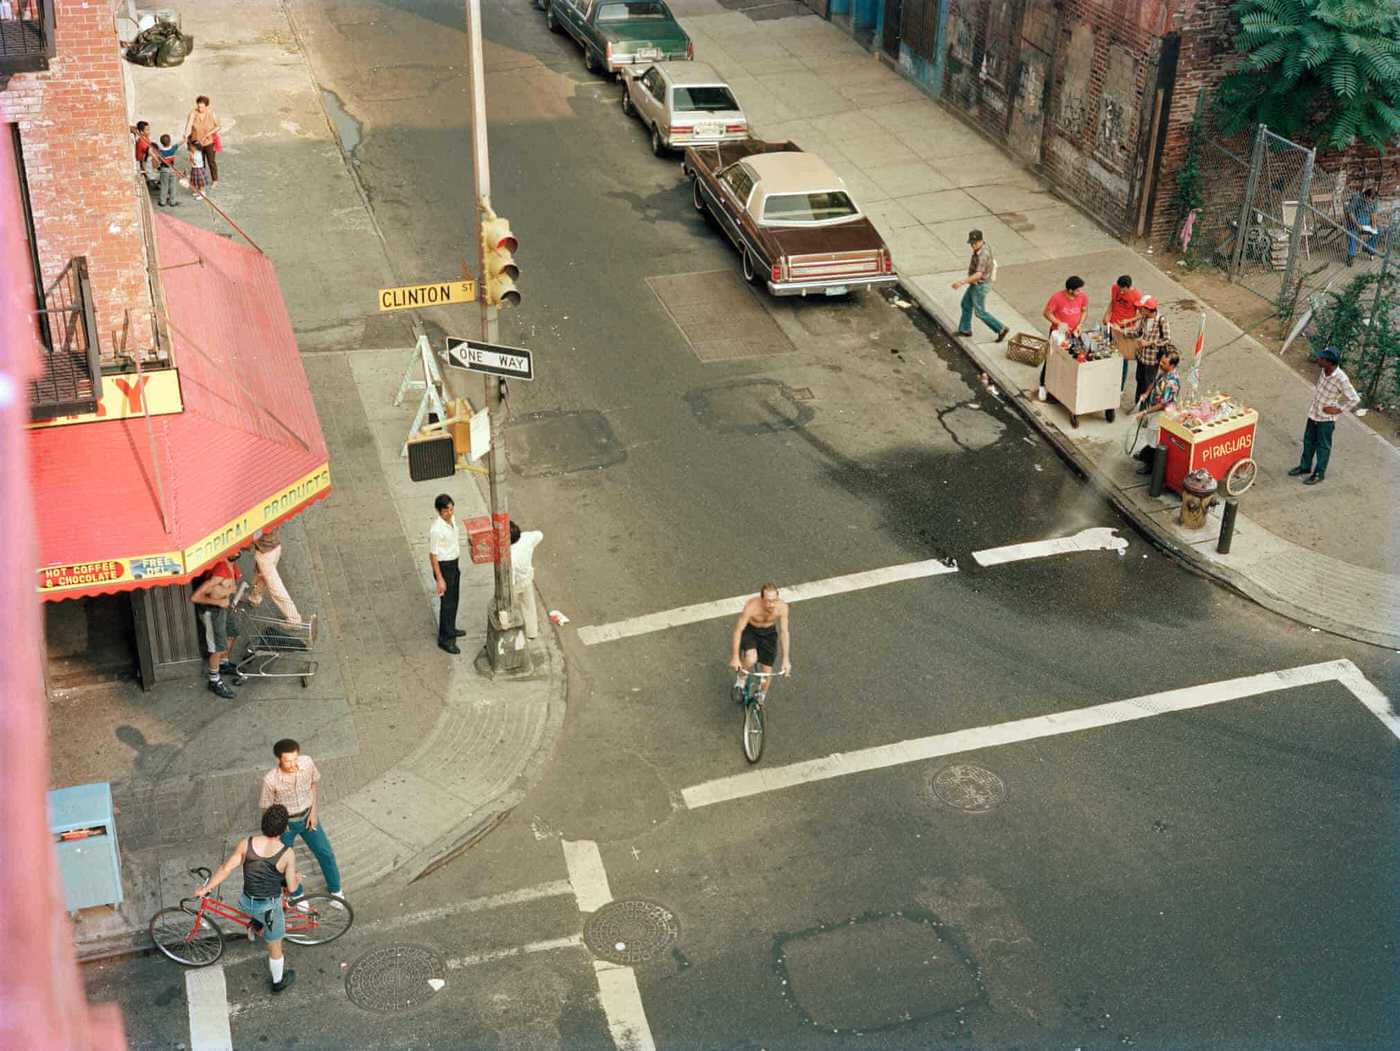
column 618, row 33
column 682, row 104
column 789, row 215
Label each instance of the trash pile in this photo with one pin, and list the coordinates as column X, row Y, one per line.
column 162, row 44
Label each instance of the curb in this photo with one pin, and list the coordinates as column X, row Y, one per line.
column 1223, row 575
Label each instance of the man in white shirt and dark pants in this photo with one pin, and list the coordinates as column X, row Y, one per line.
column 444, row 549
column 1332, row 396
column 522, row 575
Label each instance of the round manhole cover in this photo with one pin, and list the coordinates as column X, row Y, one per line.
column 966, row 786
column 395, row 978
column 630, row 931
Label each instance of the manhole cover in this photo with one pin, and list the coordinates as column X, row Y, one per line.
column 969, row 787
column 749, row 406
column 719, row 315
column 396, row 978
column 630, row 931
column 556, row 442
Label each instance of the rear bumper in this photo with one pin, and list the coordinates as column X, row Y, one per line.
column 680, row 142
column 621, row 62
column 803, row 288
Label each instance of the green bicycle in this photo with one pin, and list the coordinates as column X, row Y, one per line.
column 751, row 695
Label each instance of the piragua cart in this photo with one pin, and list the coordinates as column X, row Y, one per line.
column 1216, row 434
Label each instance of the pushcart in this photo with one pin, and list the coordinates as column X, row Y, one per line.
column 276, row 648
column 1222, row 444
column 1094, row 384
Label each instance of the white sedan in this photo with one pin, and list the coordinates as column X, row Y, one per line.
column 682, row 104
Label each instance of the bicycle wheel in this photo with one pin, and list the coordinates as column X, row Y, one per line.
column 753, row 732
column 318, row 919
column 187, row 937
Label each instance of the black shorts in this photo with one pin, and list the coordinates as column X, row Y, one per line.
column 765, row 640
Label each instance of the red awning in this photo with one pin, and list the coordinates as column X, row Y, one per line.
column 151, row 500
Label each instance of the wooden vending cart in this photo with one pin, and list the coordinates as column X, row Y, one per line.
column 1217, row 435
column 1094, row 385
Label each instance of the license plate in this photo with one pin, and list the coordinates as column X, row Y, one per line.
column 709, row 130
column 648, row 53
column 837, row 290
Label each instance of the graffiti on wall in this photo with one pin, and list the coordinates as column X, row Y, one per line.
column 1113, row 132
column 1030, row 90
column 1074, row 91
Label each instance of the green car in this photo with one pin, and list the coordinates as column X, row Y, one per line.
column 617, row 33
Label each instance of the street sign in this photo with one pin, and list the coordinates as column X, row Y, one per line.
column 437, row 294
column 511, row 362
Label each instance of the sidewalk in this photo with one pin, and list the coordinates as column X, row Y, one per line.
column 1327, row 555
column 419, row 754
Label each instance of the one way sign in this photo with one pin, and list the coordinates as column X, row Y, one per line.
column 486, row 357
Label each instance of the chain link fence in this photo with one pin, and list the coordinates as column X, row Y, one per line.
column 1310, row 241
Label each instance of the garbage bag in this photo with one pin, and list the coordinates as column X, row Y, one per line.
column 176, row 48
column 160, row 45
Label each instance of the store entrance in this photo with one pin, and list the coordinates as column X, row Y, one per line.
column 89, row 641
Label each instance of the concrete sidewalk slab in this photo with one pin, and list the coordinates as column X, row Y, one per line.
column 1327, row 555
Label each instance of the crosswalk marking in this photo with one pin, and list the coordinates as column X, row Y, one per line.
column 206, row 993
column 1099, row 539
column 841, row 764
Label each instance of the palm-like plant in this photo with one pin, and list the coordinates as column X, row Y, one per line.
column 1324, row 70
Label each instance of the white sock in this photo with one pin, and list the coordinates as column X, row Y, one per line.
column 275, row 965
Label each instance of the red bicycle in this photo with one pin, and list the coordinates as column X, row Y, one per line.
column 189, row 934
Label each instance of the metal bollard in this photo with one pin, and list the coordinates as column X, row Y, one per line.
column 1227, row 524
column 1159, row 470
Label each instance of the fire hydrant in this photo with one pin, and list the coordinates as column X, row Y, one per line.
column 1197, row 494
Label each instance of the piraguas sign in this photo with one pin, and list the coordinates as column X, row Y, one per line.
column 1226, row 445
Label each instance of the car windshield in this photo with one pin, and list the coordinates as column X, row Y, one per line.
column 639, row 9
column 686, row 100
column 821, row 207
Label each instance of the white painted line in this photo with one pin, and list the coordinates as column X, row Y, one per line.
column 554, row 889
column 586, row 874
column 207, row 996
column 622, row 1003
column 573, row 941
column 1100, row 539
column 729, row 607
column 1019, row 730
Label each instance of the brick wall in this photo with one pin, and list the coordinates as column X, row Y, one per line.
column 78, row 158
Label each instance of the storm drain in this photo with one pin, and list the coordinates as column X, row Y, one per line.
column 969, row 787
column 395, row 978
column 630, row 931
column 719, row 315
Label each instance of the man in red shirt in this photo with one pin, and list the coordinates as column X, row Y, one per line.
column 142, row 130
column 212, row 599
column 1121, row 317
column 1064, row 309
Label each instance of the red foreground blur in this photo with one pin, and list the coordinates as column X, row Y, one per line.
column 42, row 1002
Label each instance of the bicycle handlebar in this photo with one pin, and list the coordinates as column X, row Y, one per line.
column 202, row 872
column 766, row 674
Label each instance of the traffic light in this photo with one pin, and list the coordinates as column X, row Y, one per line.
column 498, row 246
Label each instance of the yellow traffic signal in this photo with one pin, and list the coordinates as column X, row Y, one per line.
column 498, row 246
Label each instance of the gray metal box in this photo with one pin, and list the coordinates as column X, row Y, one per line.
column 85, row 840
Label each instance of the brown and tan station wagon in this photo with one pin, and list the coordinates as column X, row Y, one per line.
column 789, row 215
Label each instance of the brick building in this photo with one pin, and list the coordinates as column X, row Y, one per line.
column 169, row 414
column 1096, row 95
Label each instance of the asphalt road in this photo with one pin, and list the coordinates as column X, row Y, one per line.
column 1216, row 877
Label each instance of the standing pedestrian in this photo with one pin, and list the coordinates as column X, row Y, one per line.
column 522, row 574
column 165, row 164
column 1121, row 318
column 144, row 161
column 267, row 553
column 199, row 178
column 1165, row 390
column 1332, row 396
column 1361, row 222
column 981, row 272
column 295, row 783
column 1154, row 338
column 444, row 550
column 1065, row 312
column 268, row 865
column 202, row 126
column 212, row 599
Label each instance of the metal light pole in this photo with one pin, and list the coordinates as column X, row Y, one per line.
column 505, row 637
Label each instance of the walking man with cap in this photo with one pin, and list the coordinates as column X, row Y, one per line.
column 981, row 272
column 268, row 865
column 444, row 549
column 1332, row 396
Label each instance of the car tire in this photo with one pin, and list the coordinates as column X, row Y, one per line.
column 699, row 199
column 752, row 274
column 658, row 144
column 590, row 61
column 550, row 21
column 627, row 106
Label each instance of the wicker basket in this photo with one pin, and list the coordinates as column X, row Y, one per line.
column 1027, row 349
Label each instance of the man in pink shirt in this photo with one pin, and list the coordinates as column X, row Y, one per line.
column 1067, row 309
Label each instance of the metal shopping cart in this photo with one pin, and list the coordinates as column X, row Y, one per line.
column 276, row 648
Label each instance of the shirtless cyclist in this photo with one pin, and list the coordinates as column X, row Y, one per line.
column 763, row 622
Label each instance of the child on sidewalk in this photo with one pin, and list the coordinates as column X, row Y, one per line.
column 199, row 178
column 165, row 165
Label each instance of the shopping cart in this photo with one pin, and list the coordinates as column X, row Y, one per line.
column 276, row 648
